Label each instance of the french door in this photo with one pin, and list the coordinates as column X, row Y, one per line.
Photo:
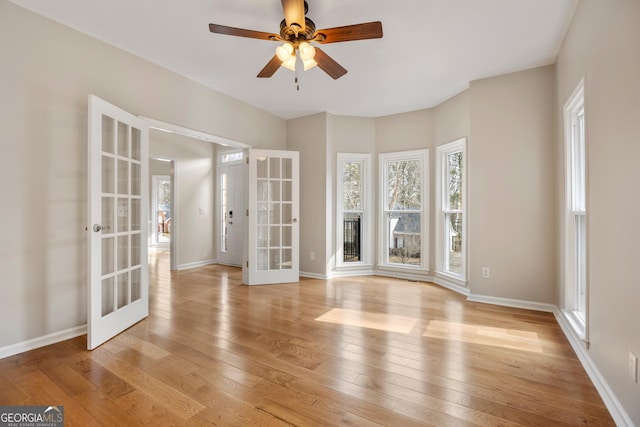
column 271, row 252
column 118, row 290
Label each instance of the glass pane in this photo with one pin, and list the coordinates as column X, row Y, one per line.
column 263, row 237
column 123, row 252
column 136, row 180
column 274, row 259
column 287, row 170
column 123, row 177
column 107, row 215
column 135, row 144
column 351, row 186
column 454, row 172
column 123, row 139
column 287, row 192
column 262, row 188
column 262, row 167
column 135, row 285
column 263, row 214
column 108, row 135
column 108, row 174
column 135, row 249
column 107, row 296
column 123, row 214
column 274, row 167
column 286, row 235
column 404, row 189
column 454, row 242
column 404, row 238
column 262, row 258
column 274, row 213
column 135, row 215
column 274, row 187
column 123, row 289
column 286, row 213
column 107, row 255
column 274, row 236
column 351, row 226
column 287, row 261
column 580, row 256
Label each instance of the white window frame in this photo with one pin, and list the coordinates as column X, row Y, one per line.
column 366, row 218
column 576, row 281
column 383, row 251
column 442, row 207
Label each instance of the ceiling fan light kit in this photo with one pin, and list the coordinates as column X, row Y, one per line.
column 297, row 32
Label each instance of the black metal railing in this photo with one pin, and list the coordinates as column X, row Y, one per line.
column 351, row 236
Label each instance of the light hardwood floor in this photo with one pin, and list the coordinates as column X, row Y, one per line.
column 361, row 351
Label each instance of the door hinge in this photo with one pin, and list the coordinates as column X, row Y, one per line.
column 247, row 264
column 247, row 160
column 247, row 212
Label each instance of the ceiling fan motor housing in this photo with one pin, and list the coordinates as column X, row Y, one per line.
column 295, row 34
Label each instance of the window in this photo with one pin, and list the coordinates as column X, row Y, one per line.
column 353, row 223
column 451, row 209
column 576, row 211
column 404, row 183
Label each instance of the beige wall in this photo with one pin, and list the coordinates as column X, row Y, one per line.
column 603, row 45
column 350, row 135
column 512, row 186
column 308, row 135
column 47, row 73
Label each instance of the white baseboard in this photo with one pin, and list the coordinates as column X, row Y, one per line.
column 34, row 343
column 610, row 400
column 515, row 303
column 196, row 264
column 351, row 273
column 313, row 275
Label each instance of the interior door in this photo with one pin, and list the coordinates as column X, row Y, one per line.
column 118, row 291
column 273, row 228
column 232, row 213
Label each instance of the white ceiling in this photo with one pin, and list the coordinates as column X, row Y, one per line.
column 431, row 49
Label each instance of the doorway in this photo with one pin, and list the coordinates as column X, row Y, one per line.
column 162, row 209
column 230, row 207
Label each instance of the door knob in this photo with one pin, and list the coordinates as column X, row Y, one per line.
column 97, row 228
column 294, row 220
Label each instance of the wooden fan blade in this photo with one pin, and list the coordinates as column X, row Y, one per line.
column 369, row 30
column 271, row 67
column 328, row 65
column 241, row 32
column 294, row 12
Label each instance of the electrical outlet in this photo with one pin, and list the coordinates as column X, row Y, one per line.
column 633, row 366
column 312, row 256
column 486, row 272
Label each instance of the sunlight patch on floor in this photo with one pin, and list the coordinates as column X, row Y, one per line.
column 363, row 319
column 487, row 335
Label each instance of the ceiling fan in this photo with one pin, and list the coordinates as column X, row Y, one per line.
column 297, row 32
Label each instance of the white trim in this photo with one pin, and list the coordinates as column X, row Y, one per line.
column 367, row 220
column 515, row 303
column 421, row 155
column 442, row 151
column 451, row 285
column 192, row 133
column 313, row 275
column 42, row 341
column 572, row 106
column 196, row 264
column 344, row 272
column 617, row 411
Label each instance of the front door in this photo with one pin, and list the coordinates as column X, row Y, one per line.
column 232, row 213
column 273, row 228
column 118, row 290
